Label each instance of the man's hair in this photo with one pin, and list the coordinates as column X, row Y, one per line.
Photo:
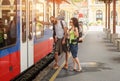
column 52, row 17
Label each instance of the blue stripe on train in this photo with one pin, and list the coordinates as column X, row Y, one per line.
column 47, row 34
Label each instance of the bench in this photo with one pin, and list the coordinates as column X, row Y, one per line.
column 115, row 41
column 118, row 45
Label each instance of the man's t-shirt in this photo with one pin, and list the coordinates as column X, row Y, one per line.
column 59, row 30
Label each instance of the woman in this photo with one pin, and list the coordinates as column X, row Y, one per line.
column 73, row 36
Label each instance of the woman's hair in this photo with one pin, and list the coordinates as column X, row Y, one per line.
column 75, row 22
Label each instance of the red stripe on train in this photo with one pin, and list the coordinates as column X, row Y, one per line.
column 42, row 49
column 9, row 66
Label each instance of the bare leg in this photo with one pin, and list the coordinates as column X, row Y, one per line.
column 66, row 60
column 56, row 60
column 74, row 64
column 78, row 63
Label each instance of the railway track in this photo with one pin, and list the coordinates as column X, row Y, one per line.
column 34, row 70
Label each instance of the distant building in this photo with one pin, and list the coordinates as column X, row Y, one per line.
column 97, row 13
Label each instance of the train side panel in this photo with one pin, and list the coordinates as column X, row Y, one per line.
column 10, row 55
column 9, row 66
column 42, row 49
column 43, row 46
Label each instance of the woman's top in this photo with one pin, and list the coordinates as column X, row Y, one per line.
column 72, row 37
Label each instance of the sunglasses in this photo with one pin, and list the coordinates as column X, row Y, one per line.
column 52, row 21
column 71, row 22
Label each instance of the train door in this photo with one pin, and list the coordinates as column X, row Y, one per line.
column 26, row 37
column 30, row 34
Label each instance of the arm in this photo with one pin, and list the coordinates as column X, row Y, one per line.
column 42, row 22
column 45, row 23
column 65, row 35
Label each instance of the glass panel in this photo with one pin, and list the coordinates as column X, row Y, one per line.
column 39, row 15
column 23, row 21
column 8, row 21
column 99, row 15
column 48, row 11
column 30, row 20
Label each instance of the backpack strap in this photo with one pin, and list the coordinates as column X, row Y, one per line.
column 54, row 33
column 62, row 24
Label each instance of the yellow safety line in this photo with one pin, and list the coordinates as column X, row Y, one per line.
column 58, row 70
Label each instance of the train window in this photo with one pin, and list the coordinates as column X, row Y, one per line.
column 8, row 32
column 39, row 15
column 23, row 21
column 30, row 21
column 49, row 11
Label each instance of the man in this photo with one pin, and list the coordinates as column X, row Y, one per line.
column 60, row 37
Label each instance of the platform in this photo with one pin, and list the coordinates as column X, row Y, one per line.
column 100, row 61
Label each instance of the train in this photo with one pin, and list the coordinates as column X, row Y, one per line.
column 23, row 40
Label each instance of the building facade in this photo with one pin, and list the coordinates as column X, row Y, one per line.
column 97, row 12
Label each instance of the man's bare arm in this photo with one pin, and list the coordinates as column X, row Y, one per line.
column 42, row 22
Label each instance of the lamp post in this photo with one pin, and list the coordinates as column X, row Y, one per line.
column 106, row 15
column 114, row 16
column 108, row 2
column 113, row 35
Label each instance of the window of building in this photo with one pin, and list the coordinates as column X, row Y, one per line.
column 99, row 15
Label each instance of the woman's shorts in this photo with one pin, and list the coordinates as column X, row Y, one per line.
column 74, row 50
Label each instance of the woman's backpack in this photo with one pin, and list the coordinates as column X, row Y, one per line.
column 80, row 39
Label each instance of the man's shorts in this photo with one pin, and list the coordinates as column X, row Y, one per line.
column 59, row 47
column 66, row 46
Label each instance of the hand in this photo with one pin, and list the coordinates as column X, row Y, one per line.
column 63, row 41
column 80, row 39
column 55, row 39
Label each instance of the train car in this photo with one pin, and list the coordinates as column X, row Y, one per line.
column 23, row 41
